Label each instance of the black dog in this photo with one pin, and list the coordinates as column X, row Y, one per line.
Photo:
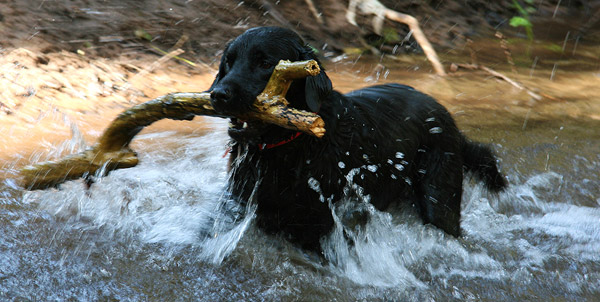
column 391, row 140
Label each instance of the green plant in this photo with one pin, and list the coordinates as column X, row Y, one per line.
column 523, row 20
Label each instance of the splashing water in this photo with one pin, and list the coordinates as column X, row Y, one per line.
column 511, row 243
column 166, row 227
column 435, row 130
column 172, row 198
column 360, row 258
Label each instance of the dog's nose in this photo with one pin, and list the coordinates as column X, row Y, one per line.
column 219, row 98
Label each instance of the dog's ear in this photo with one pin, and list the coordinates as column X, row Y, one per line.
column 317, row 88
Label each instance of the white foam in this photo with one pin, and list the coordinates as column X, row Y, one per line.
column 175, row 197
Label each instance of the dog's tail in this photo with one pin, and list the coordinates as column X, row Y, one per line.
column 481, row 162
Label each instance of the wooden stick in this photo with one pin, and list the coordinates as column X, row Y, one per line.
column 374, row 7
column 413, row 24
column 534, row 95
column 112, row 150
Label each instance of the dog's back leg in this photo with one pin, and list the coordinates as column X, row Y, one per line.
column 438, row 189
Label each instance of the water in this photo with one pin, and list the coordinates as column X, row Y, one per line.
column 164, row 230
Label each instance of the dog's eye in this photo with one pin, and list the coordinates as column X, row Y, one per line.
column 265, row 64
column 228, row 62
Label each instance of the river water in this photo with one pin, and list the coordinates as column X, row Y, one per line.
column 161, row 231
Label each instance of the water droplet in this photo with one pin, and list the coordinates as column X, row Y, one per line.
column 431, row 119
column 399, row 155
column 342, row 165
column 553, row 72
column 435, row 130
column 372, row 168
column 314, row 184
column 399, row 167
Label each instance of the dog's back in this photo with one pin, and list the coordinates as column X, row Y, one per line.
column 408, row 146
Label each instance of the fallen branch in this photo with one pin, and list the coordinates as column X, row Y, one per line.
column 374, row 7
column 494, row 73
column 112, row 150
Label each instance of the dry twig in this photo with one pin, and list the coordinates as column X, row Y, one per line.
column 374, row 7
column 494, row 73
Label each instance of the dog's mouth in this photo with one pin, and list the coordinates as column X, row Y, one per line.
column 246, row 131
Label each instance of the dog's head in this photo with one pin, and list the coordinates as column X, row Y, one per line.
column 245, row 69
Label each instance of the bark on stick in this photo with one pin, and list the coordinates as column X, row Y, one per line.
column 112, row 150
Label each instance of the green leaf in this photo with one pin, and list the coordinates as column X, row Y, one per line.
column 520, row 21
column 142, row 34
column 554, row 47
column 314, row 50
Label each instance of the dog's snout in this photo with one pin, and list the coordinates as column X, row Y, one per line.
column 219, row 98
column 220, row 94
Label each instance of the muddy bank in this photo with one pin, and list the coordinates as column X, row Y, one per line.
column 47, row 98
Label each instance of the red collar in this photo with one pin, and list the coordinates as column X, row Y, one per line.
column 283, row 142
column 269, row 146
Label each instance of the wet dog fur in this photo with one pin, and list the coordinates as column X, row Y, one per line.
column 391, row 141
